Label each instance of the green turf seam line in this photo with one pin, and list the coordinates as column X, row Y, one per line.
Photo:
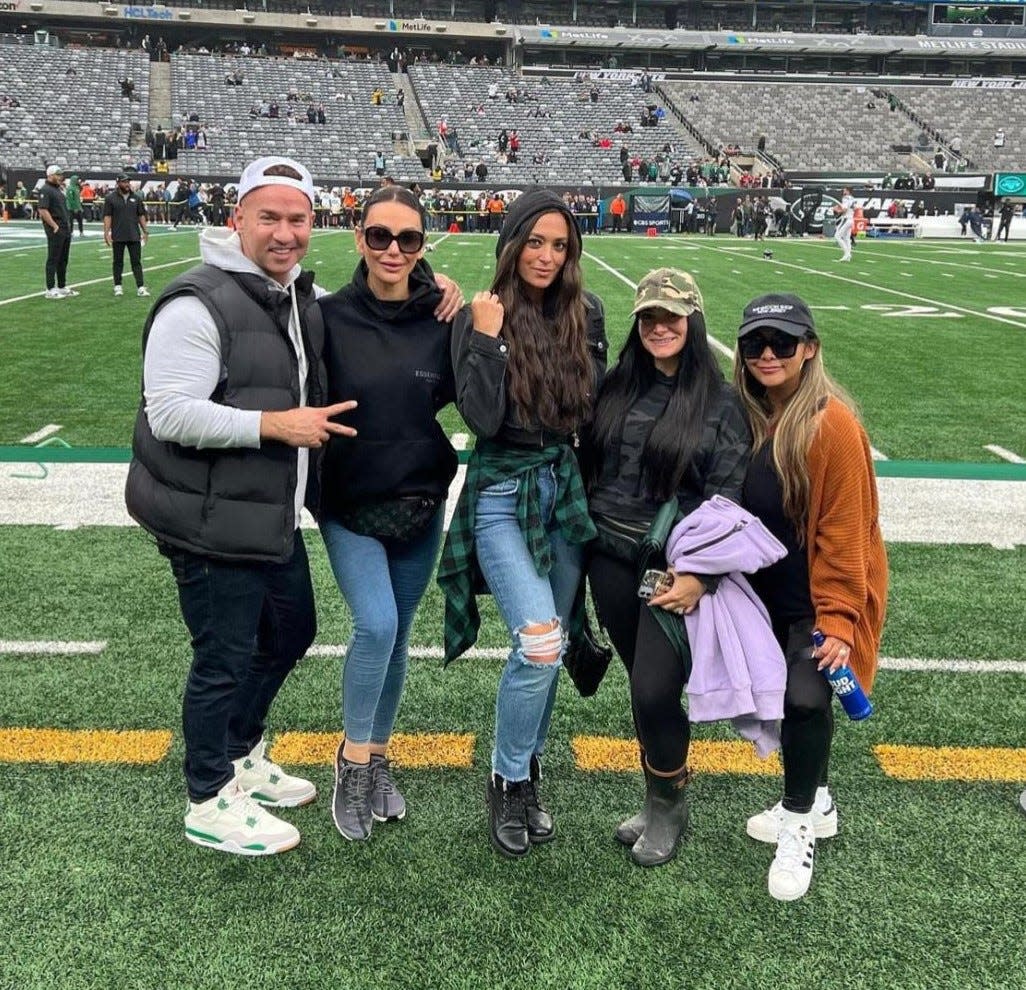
column 942, row 470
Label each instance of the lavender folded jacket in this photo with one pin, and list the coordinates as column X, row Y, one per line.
column 738, row 670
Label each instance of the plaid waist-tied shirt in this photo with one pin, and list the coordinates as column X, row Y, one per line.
column 460, row 577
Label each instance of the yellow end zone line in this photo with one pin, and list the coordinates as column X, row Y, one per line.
column 426, row 750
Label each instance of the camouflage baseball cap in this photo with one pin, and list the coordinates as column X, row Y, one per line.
column 669, row 289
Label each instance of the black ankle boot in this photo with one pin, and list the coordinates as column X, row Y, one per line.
column 540, row 825
column 507, row 815
column 667, row 803
column 629, row 831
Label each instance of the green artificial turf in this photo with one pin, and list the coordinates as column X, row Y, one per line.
column 932, row 387
column 921, row 889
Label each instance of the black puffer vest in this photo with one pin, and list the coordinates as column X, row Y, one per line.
column 235, row 503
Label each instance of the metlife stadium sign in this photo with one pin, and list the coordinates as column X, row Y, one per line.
column 776, row 42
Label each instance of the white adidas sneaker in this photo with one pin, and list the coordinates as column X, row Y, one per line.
column 233, row 822
column 267, row 784
column 765, row 826
column 790, row 873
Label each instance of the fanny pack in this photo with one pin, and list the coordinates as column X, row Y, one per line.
column 401, row 519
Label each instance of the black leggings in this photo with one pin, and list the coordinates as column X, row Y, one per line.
column 808, row 725
column 656, row 671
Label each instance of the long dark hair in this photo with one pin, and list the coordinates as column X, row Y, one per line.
column 678, row 431
column 550, row 376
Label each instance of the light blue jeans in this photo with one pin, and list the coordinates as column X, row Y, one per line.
column 527, row 688
column 382, row 582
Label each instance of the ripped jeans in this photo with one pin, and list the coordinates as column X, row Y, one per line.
column 527, row 688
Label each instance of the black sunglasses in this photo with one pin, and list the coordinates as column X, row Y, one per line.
column 783, row 345
column 380, row 239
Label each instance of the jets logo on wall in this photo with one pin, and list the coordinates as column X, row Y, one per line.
column 817, row 205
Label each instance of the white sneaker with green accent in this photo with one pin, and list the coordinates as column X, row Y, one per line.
column 233, row 822
column 266, row 783
column 790, row 873
column 765, row 826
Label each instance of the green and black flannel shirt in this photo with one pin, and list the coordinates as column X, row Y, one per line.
column 458, row 573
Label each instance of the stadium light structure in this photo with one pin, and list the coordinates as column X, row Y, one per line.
column 311, row 22
column 110, row 10
column 185, row 15
column 35, row 6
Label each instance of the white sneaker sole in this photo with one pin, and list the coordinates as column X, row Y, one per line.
column 232, row 847
column 388, row 818
column 825, row 827
column 289, row 802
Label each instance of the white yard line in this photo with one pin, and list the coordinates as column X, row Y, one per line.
column 954, row 666
column 95, row 281
column 910, row 665
column 38, row 647
column 722, row 348
column 51, row 647
column 1004, row 454
column 881, row 288
column 49, row 430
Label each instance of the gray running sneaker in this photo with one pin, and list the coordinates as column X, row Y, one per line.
column 350, row 801
column 387, row 804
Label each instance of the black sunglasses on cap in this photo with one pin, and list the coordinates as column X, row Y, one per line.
column 783, row 345
column 380, row 239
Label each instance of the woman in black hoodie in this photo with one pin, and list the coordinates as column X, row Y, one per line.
column 529, row 356
column 383, row 491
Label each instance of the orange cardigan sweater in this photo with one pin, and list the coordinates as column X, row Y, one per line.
column 847, row 559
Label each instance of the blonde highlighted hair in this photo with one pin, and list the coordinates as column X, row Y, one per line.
column 792, row 433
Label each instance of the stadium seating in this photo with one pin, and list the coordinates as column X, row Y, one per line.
column 344, row 146
column 71, row 111
column 807, row 126
column 456, row 93
column 974, row 115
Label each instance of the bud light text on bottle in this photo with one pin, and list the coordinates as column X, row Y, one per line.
column 846, row 686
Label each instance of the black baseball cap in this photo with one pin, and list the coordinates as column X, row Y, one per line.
column 778, row 311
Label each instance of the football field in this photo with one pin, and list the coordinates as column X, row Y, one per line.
column 921, row 889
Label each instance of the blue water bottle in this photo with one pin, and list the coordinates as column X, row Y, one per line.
column 846, row 686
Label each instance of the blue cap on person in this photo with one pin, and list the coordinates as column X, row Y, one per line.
column 273, row 170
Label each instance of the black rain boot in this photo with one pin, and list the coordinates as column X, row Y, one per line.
column 667, row 801
column 628, row 832
column 507, row 815
column 540, row 825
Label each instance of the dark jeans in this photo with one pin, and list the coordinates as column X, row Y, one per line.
column 134, row 256
column 250, row 624
column 58, row 247
column 657, row 673
column 808, row 726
